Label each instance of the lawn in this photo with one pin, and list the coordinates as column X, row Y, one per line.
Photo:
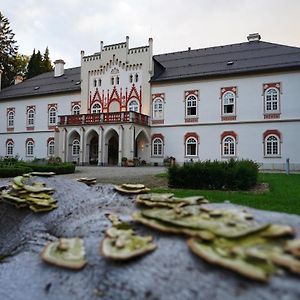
column 283, row 194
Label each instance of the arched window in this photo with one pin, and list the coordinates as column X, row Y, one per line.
column 272, row 100
column 99, row 81
column 29, row 148
column 11, row 119
column 30, row 117
column 136, row 77
column 130, row 78
column 228, row 103
column 158, row 109
column 10, row 148
column 191, row 106
column 96, row 108
column 52, row 116
column 133, row 105
column 75, row 148
column 272, row 145
column 112, row 80
column 157, row 147
column 228, row 146
column 191, row 147
column 118, row 80
column 51, row 148
column 76, row 110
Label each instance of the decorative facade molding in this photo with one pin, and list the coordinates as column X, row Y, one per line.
column 228, row 133
column 272, row 132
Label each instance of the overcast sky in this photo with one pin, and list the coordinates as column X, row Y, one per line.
column 68, row 26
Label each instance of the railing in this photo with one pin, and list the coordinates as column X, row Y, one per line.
column 104, row 118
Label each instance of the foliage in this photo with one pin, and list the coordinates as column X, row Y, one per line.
column 12, row 166
column 14, row 171
column 282, row 194
column 20, row 64
column 38, row 64
column 8, row 51
column 62, row 168
column 215, row 175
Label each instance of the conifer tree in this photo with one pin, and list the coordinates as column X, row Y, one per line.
column 47, row 66
column 8, row 52
column 31, row 65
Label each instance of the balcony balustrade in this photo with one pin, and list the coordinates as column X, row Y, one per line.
column 104, row 118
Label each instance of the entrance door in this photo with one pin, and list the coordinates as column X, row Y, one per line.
column 113, row 150
column 93, row 155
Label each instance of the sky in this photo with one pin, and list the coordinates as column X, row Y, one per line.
column 69, row 26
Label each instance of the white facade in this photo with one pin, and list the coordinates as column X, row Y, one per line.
column 249, row 123
column 119, row 112
column 41, row 132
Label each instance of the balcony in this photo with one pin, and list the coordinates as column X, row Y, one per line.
column 104, row 118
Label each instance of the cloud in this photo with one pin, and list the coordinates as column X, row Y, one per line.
column 68, row 26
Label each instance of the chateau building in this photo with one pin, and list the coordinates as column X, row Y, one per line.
column 236, row 101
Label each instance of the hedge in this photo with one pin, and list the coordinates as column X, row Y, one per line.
column 14, row 171
column 24, row 167
column 62, row 168
column 214, row 175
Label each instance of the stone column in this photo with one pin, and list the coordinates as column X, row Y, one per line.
column 82, row 146
column 65, row 146
column 121, row 133
column 132, row 141
column 100, row 146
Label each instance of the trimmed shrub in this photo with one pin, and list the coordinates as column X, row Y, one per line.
column 61, row 168
column 214, row 175
column 14, row 171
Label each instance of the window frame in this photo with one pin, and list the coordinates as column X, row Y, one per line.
column 272, row 101
column 137, row 105
column 11, row 119
column 187, row 144
column 229, row 145
column 267, row 144
column 30, row 148
column 50, row 146
column 157, row 113
column 10, row 146
column 93, row 107
column 233, row 113
column 77, row 107
column 157, row 147
column 75, row 147
column 52, row 118
column 187, row 106
column 30, row 120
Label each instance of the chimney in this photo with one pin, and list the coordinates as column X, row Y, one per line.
column 59, row 68
column 18, row 79
column 254, row 37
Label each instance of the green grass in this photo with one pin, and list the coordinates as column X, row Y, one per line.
column 283, row 194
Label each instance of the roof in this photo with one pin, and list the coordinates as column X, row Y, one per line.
column 43, row 84
column 235, row 59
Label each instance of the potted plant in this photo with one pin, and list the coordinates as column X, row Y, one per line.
column 124, row 161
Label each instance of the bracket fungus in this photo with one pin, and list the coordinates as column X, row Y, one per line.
column 37, row 196
column 67, row 253
column 128, row 188
column 121, row 242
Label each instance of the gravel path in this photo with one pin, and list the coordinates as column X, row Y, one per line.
column 118, row 175
column 115, row 172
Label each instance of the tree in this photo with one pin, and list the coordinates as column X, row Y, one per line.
column 20, row 64
column 38, row 64
column 47, row 66
column 8, row 52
